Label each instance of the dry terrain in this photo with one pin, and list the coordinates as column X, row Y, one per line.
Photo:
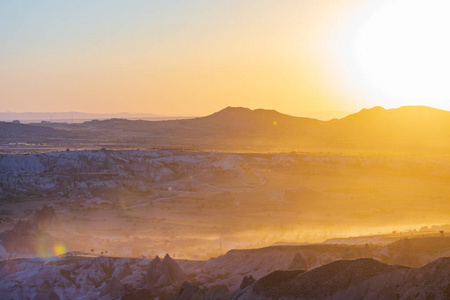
column 201, row 204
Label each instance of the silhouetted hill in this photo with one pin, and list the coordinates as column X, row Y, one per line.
column 9, row 130
column 357, row 279
column 241, row 117
column 74, row 116
column 405, row 130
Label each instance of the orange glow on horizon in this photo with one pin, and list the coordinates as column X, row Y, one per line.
column 294, row 57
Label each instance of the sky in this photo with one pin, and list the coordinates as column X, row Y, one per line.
column 197, row 57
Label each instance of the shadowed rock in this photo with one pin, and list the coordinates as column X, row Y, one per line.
column 298, row 263
column 192, row 292
column 113, row 288
column 163, row 273
column 46, row 292
column 270, row 284
column 189, row 292
column 175, row 272
column 247, row 281
column 122, row 271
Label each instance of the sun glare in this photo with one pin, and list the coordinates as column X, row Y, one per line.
column 59, row 249
column 402, row 51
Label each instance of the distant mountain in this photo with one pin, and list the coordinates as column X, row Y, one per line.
column 257, row 127
column 418, row 129
column 77, row 117
column 234, row 116
column 405, row 130
column 16, row 132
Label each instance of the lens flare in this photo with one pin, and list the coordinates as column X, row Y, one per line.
column 59, row 249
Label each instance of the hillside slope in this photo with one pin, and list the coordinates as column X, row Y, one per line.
column 358, row 279
column 405, row 130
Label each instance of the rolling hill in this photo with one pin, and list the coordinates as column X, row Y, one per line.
column 405, row 130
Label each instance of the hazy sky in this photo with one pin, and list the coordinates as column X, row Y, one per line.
column 196, row 57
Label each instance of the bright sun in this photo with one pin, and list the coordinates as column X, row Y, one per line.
column 402, row 51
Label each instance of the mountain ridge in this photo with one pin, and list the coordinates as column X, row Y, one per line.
column 405, row 130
